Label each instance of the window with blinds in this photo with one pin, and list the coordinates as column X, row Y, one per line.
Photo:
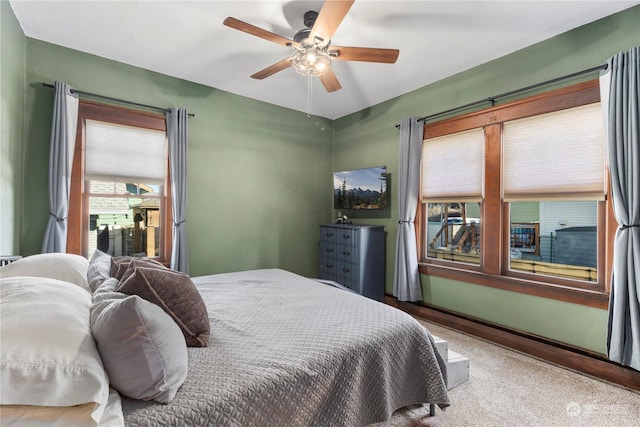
column 452, row 167
column 556, row 160
column 519, row 191
column 118, row 152
column 452, row 183
column 557, row 156
column 125, row 170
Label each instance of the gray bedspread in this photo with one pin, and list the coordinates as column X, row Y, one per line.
column 289, row 351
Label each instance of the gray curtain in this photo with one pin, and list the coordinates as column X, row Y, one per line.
column 406, row 282
column 177, row 134
column 63, row 141
column 620, row 86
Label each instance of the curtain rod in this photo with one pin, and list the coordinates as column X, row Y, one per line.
column 108, row 98
column 493, row 99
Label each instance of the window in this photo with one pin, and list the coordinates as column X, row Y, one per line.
column 557, row 160
column 533, row 215
column 560, row 239
column 452, row 180
column 119, row 198
column 452, row 234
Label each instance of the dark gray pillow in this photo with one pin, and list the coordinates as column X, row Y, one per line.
column 142, row 348
column 135, row 263
column 176, row 294
column 120, row 264
column 99, row 269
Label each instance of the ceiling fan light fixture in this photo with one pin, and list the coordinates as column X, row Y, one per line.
column 311, row 55
column 311, row 61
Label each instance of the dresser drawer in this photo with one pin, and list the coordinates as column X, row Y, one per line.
column 329, row 250
column 346, row 253
column 340, row 236
column 347, row 273
column 348, row 237
column 342, row 272
column 329, row 234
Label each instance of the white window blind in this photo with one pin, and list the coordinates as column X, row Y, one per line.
column 559, row 155
column 453, row 167
column 117, row 152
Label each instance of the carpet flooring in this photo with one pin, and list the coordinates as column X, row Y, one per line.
column 507, row 388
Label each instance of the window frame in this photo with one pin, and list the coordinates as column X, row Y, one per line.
column 78, row 218
column 494, row 270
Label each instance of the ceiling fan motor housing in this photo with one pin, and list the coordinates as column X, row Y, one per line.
column 310, row 18
column 309, row 21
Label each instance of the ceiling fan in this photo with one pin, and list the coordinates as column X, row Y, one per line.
column 312, row 45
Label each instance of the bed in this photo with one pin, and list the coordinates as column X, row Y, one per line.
column 277, row 349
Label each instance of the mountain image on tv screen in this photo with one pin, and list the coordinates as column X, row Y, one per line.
column 361, row 189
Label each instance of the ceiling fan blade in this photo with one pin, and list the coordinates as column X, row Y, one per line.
column 330, row 81
column 278, row 66
column 258, row 32
column 365, row 54
column 330, row 16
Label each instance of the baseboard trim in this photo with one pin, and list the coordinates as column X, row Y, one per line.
column 583, row 361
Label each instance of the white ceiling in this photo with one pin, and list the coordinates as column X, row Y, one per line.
column 186, row 39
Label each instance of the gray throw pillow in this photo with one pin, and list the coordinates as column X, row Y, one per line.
column 107, row 290
column 177, row 295
column 142, row 348
column 99, row 269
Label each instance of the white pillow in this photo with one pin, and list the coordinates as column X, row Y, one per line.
column 48, row 356
column 66, row 267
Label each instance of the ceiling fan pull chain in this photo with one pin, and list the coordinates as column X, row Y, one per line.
column 309, row 86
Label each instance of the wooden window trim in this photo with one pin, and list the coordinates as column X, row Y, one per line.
column 492, row 216
column 77, row 239
column 493, row 270
column 569, row 97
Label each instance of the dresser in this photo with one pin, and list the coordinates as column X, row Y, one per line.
column 353, row 255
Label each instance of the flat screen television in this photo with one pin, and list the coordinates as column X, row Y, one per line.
column 361, row 189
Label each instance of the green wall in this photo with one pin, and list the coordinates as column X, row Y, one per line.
column 369, row 137
column 258, row 174
column 12, row 82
